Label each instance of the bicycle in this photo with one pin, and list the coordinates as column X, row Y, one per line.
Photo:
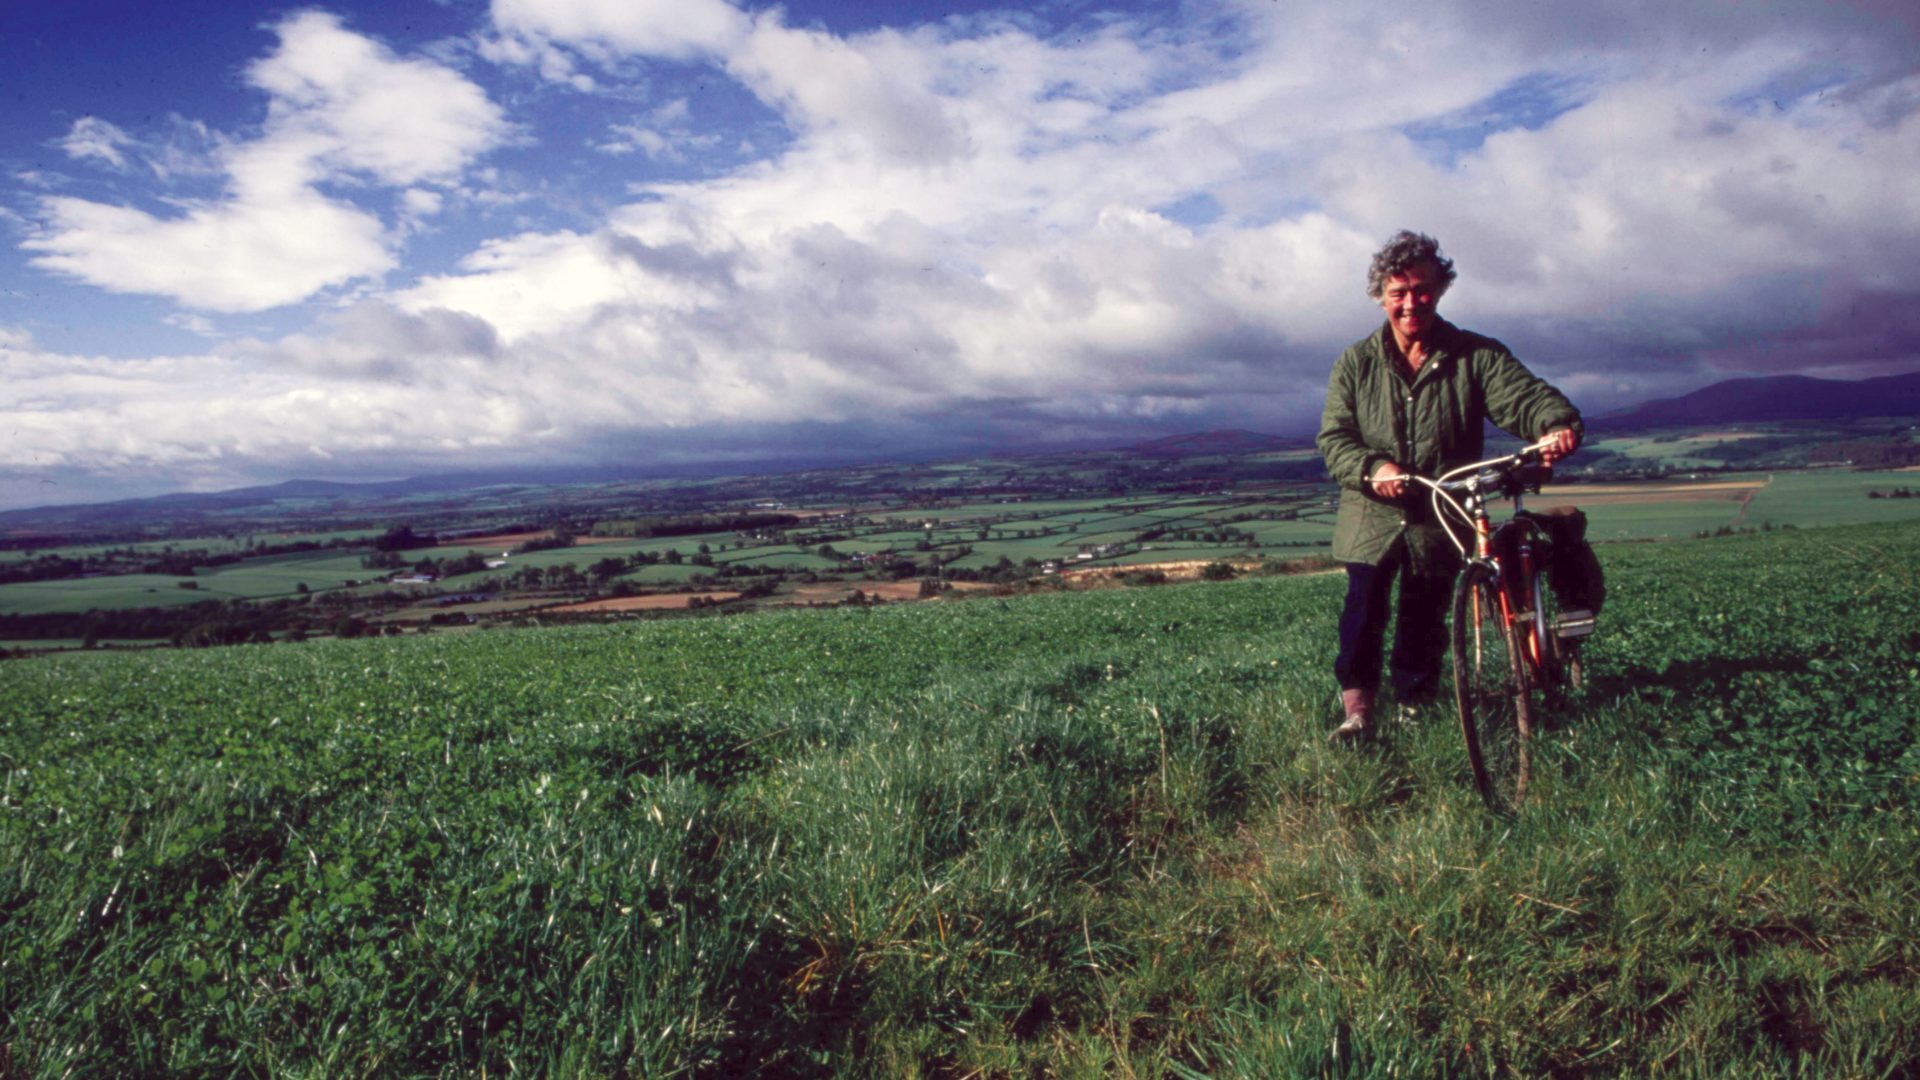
column 1510, row 638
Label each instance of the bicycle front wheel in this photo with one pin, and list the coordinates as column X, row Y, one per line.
column 1491, row 688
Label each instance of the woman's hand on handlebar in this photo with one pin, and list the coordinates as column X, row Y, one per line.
column 1558, row 443
column 1389, row 481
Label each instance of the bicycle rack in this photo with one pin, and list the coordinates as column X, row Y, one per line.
column 1573, row 624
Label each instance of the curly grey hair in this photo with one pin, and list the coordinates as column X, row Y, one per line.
column 1405, row 251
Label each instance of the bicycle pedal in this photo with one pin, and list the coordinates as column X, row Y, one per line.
column 1573, row 624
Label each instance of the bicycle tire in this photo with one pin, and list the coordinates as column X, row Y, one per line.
column 1492, row 690
column 1563, row 668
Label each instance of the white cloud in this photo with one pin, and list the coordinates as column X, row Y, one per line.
column 871, row 89
column 666, row 135
column 192, row 324
column 420, row 203
column 606, row 30
column 250, row 410
column 628, row 138
column 339, row 104
column 92, row 137
column 243, row 255
column 353, row 105
column 961, row 222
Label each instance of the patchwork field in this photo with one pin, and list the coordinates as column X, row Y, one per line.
column 1010, row 539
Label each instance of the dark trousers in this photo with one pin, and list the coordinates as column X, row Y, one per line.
column 1420, row 632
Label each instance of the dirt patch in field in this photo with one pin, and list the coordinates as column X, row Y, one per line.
column 884, row 590
column 657, row 602
column 1628, row 494
column 1182, row 570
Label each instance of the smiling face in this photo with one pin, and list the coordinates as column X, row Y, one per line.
column 1410, row 300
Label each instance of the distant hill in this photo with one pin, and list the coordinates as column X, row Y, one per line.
column 1217, row 442
column 1780, row 397
column 276, row 498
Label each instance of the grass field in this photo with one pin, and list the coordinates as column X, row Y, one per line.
column 657, row 573
column 216, row 545
column 1674, row 453
column 784, row 558
column 1657, row 520
column 1085, row 834
column 1834, row 497
column 253, row 579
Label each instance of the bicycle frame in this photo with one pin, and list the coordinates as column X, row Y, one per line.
column 1518, row 576
column 1507, row 551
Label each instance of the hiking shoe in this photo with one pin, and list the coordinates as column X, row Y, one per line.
column 1357, row 704
column 1354, row 729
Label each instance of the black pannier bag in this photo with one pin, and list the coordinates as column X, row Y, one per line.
column 1573, row 570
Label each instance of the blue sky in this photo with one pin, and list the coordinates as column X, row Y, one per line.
column 250, row 242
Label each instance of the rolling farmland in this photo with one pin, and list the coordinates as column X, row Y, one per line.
column 940, row 540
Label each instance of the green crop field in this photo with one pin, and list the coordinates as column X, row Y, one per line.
column 1290, row 532
column 1675, row 453
column 658, row 573
column 85, row 594
column 1080, row 834
column 217, row 545
column 902, row 539
column 1658, row 520
column 787, row 558
column 251, row 579
column 1834, row 497
column 1803, row 499
column 582, row 554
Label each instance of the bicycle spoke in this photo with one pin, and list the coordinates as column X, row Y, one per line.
column 1490, row 691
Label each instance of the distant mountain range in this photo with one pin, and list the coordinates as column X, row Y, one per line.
column 1735, row 401
column 239, row 501
column 1774, row 398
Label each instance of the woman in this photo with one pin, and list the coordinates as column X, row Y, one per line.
column 1412, row 398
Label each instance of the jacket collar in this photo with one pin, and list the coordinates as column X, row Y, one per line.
column 1446, row 338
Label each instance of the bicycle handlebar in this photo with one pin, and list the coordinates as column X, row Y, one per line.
column 1524, row 471
column 1503, row 476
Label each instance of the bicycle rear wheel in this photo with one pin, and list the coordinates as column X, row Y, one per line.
column 1560, row 634
column 1491, row 688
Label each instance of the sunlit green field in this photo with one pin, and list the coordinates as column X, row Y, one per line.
column 659, row 573
column 1658, row 520
column 1835, row 497
column 1079, row 834
column 253, row 579
column 786, row 558
column 1677, row 453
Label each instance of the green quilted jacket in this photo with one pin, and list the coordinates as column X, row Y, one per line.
column 1427, row 425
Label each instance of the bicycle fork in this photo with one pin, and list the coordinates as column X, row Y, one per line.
column 1517, row 611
